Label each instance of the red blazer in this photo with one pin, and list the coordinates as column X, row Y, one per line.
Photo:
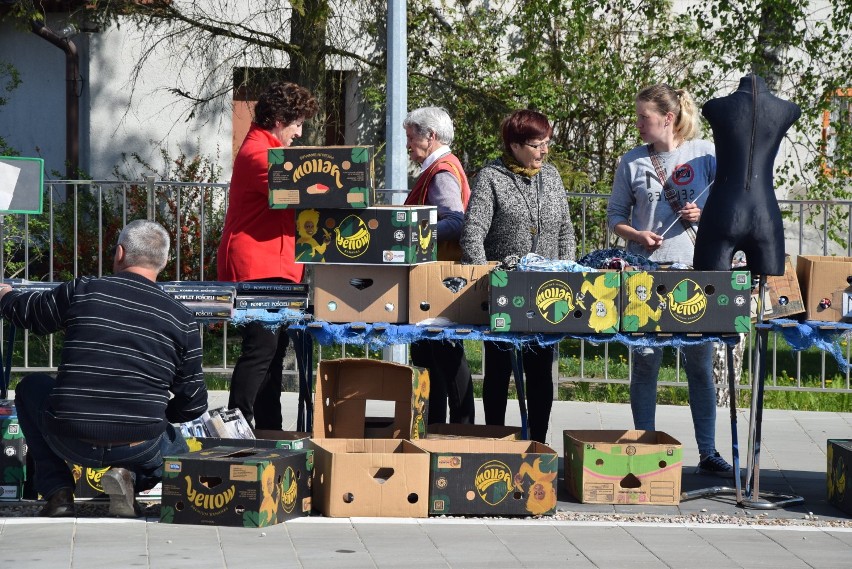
column 257, row 242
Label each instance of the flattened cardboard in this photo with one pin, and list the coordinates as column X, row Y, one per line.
column 555, row 302
column 344, row 386
column 838, row 477
column 491, row 477
column 623, row 467
column 380, row 235
column 233, row 486
column 290, row 440
column 370, row 477
column 699, row 302
column 825, row 277
column 321, row 176
column 359, row 293
column 783, row 297
column 456, row 430
column 451, row 291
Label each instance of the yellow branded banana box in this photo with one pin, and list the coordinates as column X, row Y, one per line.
column 491, row 477
column 450, row 291
column 532, row 301
column 370, row 477
column 623, row 467
column 13, row 453
column 838, row 476
column 234, row 486
column 380, row 235
column 675, row 301
column 350, row 393
column 360, row 293
column 304, row 177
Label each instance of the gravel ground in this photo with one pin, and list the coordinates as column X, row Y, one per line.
column 100, row 508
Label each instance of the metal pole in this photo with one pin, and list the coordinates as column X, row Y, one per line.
column 396, row 166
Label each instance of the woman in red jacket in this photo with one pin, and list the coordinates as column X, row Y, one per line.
column 258, row 243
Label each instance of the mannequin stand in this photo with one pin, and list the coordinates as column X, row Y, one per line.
column 749, row 497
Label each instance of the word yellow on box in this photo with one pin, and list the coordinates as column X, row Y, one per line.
column 327, row 177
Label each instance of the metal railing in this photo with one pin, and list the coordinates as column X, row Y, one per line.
column 76, row 233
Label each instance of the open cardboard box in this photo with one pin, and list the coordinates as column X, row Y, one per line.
column 623, row 467
column 370, row 477
column 360, row 293
column 345, row 386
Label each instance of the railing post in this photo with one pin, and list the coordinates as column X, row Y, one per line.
column 149, row 185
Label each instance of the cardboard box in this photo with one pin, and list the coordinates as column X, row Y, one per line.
column 381, row 235
column 13, row 453
column 370, row 477
column 344, row 386
column 699, row 302
column 491, row 477
column 586, row 303
column 455, row 431
column 623, row 467
column 838, row 472
column 451, row 291
column 320, row 177
column 825, row 277
column 783, row 297
column 356, row 293
column 232, row 486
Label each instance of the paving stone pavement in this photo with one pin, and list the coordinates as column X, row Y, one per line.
column 710, row 532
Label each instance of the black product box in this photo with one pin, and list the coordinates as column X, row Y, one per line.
column 700, row 302
column 13, row 453
column 491, row 477
column 233, row 486
column 319, row 177
column 532, row 301
column 381, row 235
column 838, row 472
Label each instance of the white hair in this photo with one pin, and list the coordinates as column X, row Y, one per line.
column 431, row 119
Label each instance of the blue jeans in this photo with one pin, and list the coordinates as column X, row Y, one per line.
column 697, row 361
column 50, row 451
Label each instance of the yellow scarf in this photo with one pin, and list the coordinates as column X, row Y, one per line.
column 516, row 167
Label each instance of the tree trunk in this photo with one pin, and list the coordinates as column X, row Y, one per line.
column 309, row 31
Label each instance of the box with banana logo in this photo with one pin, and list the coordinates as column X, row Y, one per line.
column 676, row 301
column 556, row 302
column 380, row 235
column 303, row 177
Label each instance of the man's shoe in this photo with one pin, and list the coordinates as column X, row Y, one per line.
column 59, row 505
column 118, row 484
column 715, row 465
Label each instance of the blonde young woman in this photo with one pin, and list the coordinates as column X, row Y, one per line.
column 656, row 203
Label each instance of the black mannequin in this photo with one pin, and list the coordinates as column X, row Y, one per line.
column 742, row 213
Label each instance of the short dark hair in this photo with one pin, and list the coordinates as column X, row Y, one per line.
column 285, row 102
column 524, row 125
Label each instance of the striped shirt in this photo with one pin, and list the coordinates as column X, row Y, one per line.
column 127, row 346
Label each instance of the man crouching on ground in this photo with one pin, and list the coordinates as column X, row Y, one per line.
column 127, row 345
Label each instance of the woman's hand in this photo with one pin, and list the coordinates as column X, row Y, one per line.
column 649, row 240
column 690, row 212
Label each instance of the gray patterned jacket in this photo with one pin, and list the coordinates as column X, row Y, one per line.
column 506, row 212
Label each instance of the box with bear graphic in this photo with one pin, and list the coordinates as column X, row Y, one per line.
column 381, row 235
column 690, row 302
column 233, row 486
column 321, row 177
column 491, row 477
column 583, row 303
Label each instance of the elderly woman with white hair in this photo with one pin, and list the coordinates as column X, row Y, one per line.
column 442, row 183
